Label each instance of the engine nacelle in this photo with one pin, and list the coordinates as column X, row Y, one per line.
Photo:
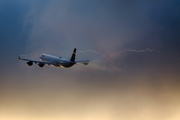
column 30, row 63
column 86, row 63
column 41, row 65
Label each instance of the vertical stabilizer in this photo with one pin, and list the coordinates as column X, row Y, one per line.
column 73, row 55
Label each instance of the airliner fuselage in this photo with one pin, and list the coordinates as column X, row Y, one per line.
column 57, row 61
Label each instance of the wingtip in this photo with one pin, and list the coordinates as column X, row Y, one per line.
column 19, row 57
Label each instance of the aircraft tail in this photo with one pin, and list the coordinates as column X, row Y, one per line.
column 73, row 55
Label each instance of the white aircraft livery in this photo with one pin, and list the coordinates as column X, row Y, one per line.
column 57, row 61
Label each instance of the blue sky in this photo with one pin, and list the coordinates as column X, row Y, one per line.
column 126, row 85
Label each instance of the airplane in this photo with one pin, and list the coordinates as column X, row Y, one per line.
column 57, row 61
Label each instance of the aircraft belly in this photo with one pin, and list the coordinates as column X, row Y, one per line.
column 66, row 65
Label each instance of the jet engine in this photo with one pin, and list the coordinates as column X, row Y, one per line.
column 40, row 65
column 30, row 63
column 86, row 63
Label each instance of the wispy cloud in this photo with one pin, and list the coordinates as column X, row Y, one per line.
column 130, row 50
column 89, row 50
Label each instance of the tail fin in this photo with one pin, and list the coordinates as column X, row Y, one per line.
column 73, row 55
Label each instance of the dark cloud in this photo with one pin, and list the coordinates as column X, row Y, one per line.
column 11, row 25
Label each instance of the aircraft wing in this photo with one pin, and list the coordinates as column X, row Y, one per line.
column 35, row 61
column 85, row 62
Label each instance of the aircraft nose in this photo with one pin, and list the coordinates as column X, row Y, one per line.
column 42, row 55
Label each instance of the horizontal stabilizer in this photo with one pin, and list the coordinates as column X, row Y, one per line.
column 86, row 62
